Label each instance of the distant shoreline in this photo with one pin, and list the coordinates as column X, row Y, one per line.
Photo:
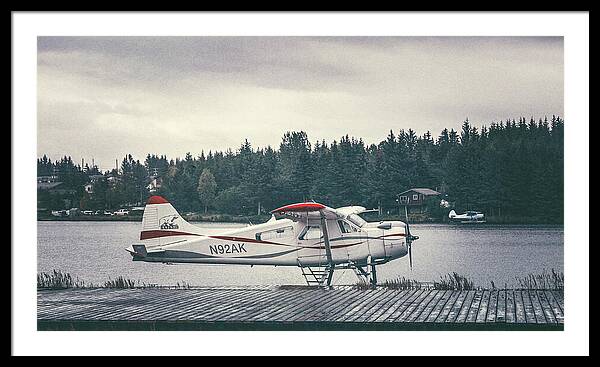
column 226, row 218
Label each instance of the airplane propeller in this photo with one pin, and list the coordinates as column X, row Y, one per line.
column 409, row 237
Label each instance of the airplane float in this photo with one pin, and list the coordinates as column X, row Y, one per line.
column 312, row 236
column 467, row 217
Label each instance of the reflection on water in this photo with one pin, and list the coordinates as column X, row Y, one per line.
column 95, row 252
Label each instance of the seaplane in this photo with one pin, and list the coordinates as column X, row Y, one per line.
column 468, row 217
column 314, row 237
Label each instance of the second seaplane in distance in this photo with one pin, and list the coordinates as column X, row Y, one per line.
column 314, row 237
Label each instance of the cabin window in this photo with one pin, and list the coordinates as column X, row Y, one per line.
column 416, row 197
column 311, row 233
column 345, row 227
column 356, row 220
column 403, row 199
column 275, row 233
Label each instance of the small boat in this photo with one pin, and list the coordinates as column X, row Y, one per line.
column 468, row 217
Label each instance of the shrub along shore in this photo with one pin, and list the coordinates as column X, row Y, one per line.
column 255, row 219
column 553, row 280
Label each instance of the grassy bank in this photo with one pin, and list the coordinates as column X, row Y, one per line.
column 552, row 280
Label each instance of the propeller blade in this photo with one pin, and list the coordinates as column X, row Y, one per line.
column 406, row 226
column 409, row 237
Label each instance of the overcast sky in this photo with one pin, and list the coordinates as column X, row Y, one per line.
column 104, row 97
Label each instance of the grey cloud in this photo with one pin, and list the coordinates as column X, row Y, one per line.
column 176, row 94
column 263, row 61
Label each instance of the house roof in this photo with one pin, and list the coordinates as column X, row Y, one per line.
column 424, row 191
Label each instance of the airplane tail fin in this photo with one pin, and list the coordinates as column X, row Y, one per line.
column 162, row 224
column 452, row 214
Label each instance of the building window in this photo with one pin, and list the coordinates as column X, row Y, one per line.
column 403, row 199
column 415, row 197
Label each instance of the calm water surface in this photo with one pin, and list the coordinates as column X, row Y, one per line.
column 95, row 252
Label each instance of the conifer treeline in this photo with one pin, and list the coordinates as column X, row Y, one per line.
column 511, row 168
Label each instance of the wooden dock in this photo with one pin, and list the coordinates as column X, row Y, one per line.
column 298, row 308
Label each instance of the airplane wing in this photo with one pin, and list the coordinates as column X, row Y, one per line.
column 347, row 210
column 302, row 211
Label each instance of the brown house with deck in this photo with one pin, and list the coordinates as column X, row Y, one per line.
column 416, row 199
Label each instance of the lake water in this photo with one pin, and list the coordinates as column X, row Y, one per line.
column 95, row 252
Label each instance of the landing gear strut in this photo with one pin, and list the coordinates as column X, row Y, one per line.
column 367, row 277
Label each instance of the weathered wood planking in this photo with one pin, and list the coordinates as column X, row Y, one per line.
column 556, row 309
column 400, row 304
column 300, row 304
column 510, row 306
column 465, row 308
column 414, row 308
column 445, row 312
column 501, row 306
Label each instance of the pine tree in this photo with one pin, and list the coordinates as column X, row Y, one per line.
column 207, row 188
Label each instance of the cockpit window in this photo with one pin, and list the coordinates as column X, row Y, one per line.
column 310, row 233
column 356, row 220
column 275, row 233
column 344, row 226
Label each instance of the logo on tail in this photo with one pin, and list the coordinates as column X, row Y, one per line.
column 168, row 222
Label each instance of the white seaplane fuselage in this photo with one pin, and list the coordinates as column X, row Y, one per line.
column 467, row 217
column 297, row 239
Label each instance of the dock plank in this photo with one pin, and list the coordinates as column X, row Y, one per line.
column 492, row 310
column 397, row 299
column 413, row 309
column 399, row 306
column 520, row 313
column 306, row 307
column 465, row 307
column 327, row 309
column 266, row 306
column 344, row 305
column 501, row 306
column 511, row 316
column 379, row 303
column 556, row 310
column 537, row 307
column 275, row 304
column 435, row 312
column 234, row 305
column 203, row 307
column 367, row 308
column 296, row 300
column 456, row 307
column 546, row 307
column 559, row 296
column 528, row 306
column 249, row 307
column 200, row 307
column 474, row 310
column 300, row 304
column 361, row 303
column 483, row 307
column 430, row 305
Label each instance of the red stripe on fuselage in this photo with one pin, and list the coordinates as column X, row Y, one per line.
column 394, row 234
column 146, row 235
column 243, row 239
